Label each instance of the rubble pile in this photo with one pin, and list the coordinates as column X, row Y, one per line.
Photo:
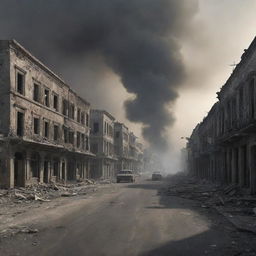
column 238, row 207
column 45, row 192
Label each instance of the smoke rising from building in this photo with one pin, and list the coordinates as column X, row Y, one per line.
column 139, row 40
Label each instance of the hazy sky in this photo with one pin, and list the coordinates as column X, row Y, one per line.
column 211, row 35
column 221, row 30
column 219, row 33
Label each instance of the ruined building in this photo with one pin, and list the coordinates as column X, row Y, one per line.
column 122, row 145
column 102, row 144
column 223, row 146
column 135, row 153
column 44, row 125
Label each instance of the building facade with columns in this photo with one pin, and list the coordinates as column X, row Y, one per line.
column 223, row 146
column 102, row 144
column 44, row 125
column 135, row 153
column 121, row 145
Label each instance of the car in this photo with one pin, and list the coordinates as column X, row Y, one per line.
column 156, row 176
column 125, row 176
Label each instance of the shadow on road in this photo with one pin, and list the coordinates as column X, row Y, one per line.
column 221, row 238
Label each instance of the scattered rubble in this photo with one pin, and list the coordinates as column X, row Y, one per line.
column 230, row 201
column 45, row 192
column 14, row 202
column 13, row 230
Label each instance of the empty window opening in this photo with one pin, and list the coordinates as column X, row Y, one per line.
column 78, row 139
column 56, row 132
column 105, row 128
column 72, row 111
column 71, row 137
column 65, row 107
column 36, row 125
column 83, row 141
column 65, row 131
column 87, row 119
column 36, row 93
column 46, row 129
column 20, row 83
column 87, row 143
column 20, row 123
column 46, row 98
column 78, row 115
column 83, row 118
column 56, row 102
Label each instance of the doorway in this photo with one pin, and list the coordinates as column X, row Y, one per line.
column 19, row 170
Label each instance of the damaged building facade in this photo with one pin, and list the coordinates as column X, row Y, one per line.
column 128, row 150
column 48, row 133
column 44, row 125
column 223, row 146
column 114, row 146
column 102, row 144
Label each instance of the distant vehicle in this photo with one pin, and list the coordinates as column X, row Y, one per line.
column 125, row 176
column 156, row 176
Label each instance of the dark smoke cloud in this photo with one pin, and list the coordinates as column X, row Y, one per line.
column 137, row 39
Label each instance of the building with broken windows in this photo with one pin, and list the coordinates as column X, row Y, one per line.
column 121, row 146
column 102, row 144
column 44, row 125
column 128, row 150
column 223, row 146
column 135, row 153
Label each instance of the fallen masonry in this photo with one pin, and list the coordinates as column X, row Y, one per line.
column 44, row 192
column 230, row 201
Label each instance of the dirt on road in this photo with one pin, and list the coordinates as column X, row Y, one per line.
column 142, row 219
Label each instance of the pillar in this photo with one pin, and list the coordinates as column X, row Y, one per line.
column 28, row 165
column 41, row 167
column 10, row 170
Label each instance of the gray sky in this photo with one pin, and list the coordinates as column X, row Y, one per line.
column 219, row 33
column 205, row 37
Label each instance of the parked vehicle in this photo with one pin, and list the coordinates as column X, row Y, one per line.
column 125, row 176
column 156, row 176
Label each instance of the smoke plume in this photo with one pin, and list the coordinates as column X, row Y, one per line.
column 138, row 39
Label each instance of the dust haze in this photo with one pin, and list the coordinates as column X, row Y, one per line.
column 136, row 41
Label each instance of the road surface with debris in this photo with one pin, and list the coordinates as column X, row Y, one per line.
column 126, row 219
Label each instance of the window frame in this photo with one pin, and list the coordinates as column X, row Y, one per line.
column 46, row 121
column 21, row 111
column 58, row 132
column 19, row 71
column 47, row 104
column 38, row 118
column 39, row 92
column 53, row 101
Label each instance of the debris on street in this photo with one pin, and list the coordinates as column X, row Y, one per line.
column 237, row 206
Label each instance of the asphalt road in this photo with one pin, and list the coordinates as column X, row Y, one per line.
column 131, row 219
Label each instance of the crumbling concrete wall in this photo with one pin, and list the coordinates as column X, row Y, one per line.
column 222, row 147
